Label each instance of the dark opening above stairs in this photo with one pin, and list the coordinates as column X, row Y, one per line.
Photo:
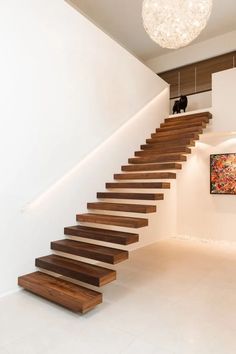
column 162, row 154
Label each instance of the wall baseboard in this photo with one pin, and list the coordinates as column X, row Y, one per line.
column 8, row 293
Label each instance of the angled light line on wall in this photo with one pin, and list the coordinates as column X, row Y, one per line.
column 38, row 199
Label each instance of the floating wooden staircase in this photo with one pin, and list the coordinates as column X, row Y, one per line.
column 167, row 148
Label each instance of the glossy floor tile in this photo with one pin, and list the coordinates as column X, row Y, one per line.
column 173, row 297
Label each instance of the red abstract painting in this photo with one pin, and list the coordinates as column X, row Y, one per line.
column 223, row 173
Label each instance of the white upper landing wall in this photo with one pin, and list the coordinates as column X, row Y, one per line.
column 200, row 214
column 223, row 101
column 194, row 53
column 65, row 88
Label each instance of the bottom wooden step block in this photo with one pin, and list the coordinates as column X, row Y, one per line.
column 74, row 297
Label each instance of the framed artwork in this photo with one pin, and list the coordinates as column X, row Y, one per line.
column 223, row 173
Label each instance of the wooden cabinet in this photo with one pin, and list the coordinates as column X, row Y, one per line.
column 197, row 77
column 187, row 80
column 206, row 68
column 172, row 77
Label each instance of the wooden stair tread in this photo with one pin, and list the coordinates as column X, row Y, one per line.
column 124, row 221
column 137, row 185
column 173, row 150
column 158, row 158
column 152, row 167
column 147, row 175
column 111, row 236
column 174, row 137
column 187, row 124
column 165, row 144
column 197, row 130
column 74, row 297
column 137, row 196
column 187, row 117
column 85, row 272
column 88, row 250
column 178, row 124
column 133, row 208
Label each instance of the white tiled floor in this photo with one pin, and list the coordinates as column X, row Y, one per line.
column 174, row 297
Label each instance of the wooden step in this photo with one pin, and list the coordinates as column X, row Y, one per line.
column 88, row 250
column 152, row 167
column 85, row 272
column 177, row 131
column 147, row 175
column 173, row 150
column 132, row 208
column 182, row 118
column 74, row 297
column 123, row 221
column 137, row 196
column 167, row 127
column 111, row 236
column 171, row 138
column 137, row 185
column 168, row 144
column 178, row 123
column 158, row 158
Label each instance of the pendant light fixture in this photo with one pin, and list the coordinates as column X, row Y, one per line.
column 175, row 23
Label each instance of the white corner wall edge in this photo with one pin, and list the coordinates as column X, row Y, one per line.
column 193, row 53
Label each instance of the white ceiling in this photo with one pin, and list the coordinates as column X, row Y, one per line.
column 121, row 19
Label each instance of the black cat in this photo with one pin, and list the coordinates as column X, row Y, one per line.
column 183, row 102
column 180, row 104
column 176, row 107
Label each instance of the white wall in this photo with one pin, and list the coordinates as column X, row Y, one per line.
column 194, row 53
column 65, row 88
column 71, row 194
column 199, row 101
column 223, row 100
column 200, row 214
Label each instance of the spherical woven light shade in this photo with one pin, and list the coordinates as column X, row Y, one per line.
column 175, row 23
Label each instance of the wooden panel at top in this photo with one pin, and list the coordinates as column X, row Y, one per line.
column 187, row 80
column 206, row 68
column 172, row 78
column 197, row 77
